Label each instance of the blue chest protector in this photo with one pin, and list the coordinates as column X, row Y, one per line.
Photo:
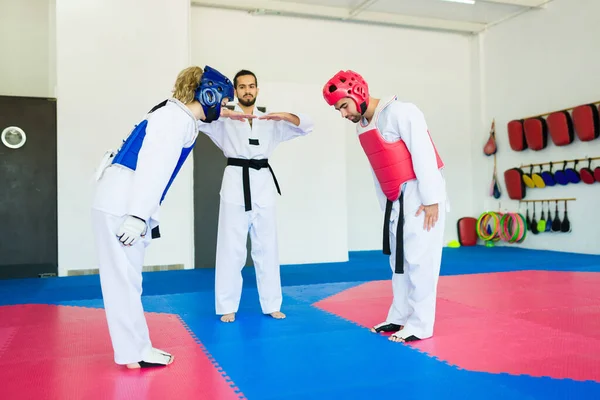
column 127, row 155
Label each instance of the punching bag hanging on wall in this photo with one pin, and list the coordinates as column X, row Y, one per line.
column 490, row 147
column 495, row 186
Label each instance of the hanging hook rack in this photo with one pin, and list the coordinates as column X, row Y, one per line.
column 560, row 162
column 546, row 200
column 564, row 109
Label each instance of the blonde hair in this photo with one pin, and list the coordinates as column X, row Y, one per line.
column 186, row 84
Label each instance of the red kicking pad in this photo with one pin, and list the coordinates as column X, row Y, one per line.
column 516, row 135
column 560, row 125
column 467, row 231
column 586, row 122
column 510, row 322
column 65, row 352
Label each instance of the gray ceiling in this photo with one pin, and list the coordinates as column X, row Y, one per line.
column 447, row 15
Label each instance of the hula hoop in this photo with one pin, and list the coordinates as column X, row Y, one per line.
column 512, row 227
column 483, row 223
column 494, row 226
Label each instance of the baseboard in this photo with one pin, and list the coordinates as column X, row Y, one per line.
column 23, row 271
column 146, row 268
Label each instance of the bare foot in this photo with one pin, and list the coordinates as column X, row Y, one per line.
column 277, row 315
column 228, row 317
column 398, row 337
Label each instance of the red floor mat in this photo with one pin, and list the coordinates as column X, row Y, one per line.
column 60, row 352
column 531, row 322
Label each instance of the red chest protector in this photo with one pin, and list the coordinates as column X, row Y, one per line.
column 391, row 161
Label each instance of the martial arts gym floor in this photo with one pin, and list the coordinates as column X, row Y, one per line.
column 511, row 324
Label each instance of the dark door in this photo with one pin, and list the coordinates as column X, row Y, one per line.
column 209, row 163
column 28, row 197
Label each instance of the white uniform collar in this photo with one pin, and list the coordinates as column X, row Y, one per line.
column 256, row 111
column 383, row 103
column 183, row 107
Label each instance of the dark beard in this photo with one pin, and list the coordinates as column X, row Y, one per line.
column 247, row 103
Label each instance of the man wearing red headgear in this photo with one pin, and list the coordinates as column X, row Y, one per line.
column 407, row 171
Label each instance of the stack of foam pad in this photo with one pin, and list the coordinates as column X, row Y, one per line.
column 561, row 126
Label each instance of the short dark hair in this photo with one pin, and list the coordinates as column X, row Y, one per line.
column 244, row 72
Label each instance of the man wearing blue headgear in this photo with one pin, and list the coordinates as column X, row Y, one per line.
column 132, row 185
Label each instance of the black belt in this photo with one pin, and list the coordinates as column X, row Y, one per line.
column 246, row 165
column 399, row 267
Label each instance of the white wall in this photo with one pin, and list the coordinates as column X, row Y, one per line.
column 433, row 71
column 540, row 62
column 104, row 83
column 115, row 60
column 27, row 48
column 287, row 54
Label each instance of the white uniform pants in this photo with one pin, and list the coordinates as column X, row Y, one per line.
column 121, row 280
column 234, row 225
column 415, row 291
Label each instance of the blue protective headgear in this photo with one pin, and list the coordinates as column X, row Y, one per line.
column 214, row 87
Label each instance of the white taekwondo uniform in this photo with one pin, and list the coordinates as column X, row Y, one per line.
column 121, row 192
column 415, row 290
column 257, row 215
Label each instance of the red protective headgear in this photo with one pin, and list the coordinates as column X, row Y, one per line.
column 347, row 84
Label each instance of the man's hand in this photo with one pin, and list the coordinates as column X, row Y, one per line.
column 236, row 115
column 431, row 215
column 282, row 116
column 131, row 230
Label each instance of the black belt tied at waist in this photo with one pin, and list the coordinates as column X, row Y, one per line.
column 399, row 267
column 246, row 165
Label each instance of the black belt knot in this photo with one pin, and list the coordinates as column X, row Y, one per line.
column 256, row 164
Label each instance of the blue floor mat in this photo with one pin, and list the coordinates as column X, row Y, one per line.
column 316, row 355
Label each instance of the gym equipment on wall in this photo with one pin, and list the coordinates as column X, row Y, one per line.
column 467, row 231
column 561, row 176
column 572, row 175
column 508, row 227
column 587, row 122
column 515, row 186
column 564, row 176
column 587, row 174
column 548, row 177
column 552, row 223
column 556, row 221
column 536, row 133
column 495, row 191
column 565, row 225
column 490, row 147
column 516, row 135
column 562, row 126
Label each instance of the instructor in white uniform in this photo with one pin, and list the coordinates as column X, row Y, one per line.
column 411, row 188
column 132, row 185
column 247, row 195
